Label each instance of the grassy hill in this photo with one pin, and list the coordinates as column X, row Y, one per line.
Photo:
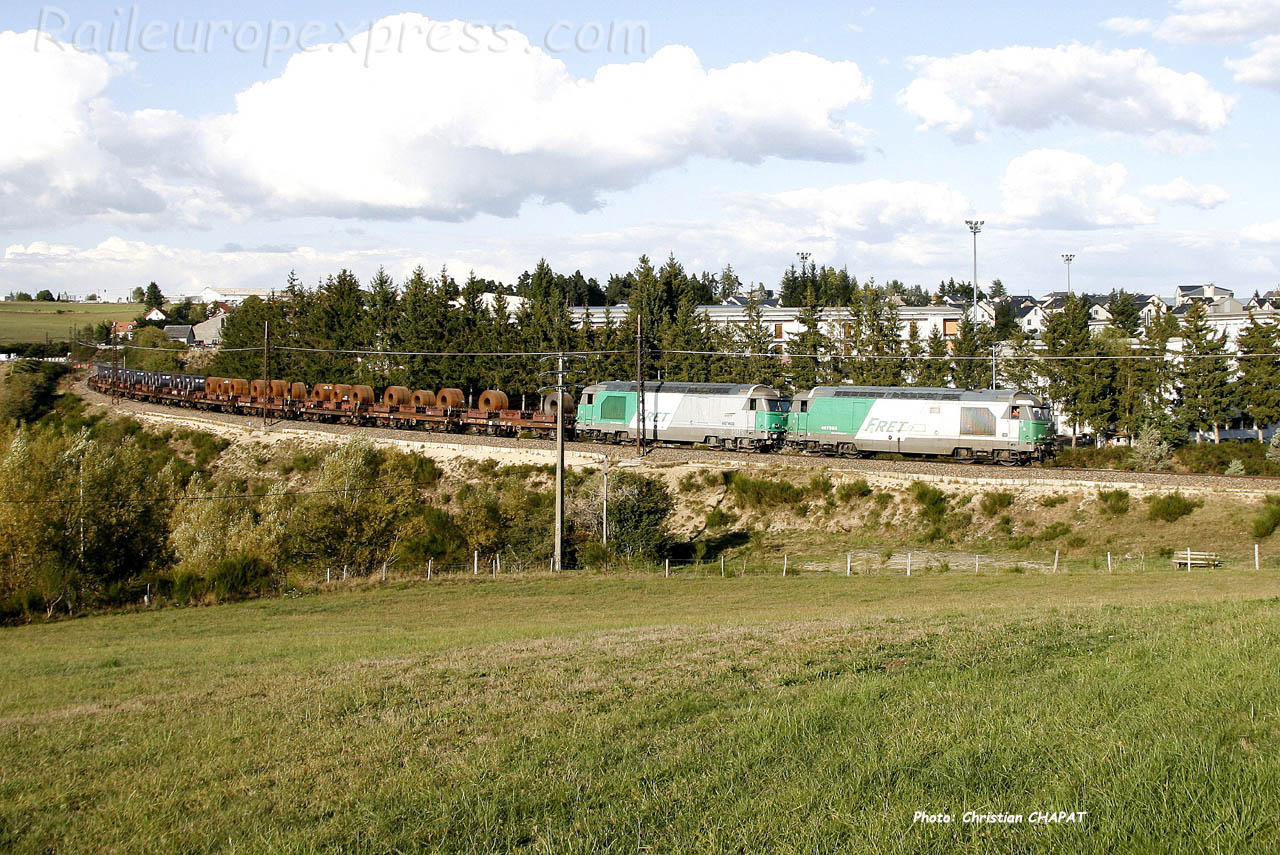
column 621, row 714
column 33, row 322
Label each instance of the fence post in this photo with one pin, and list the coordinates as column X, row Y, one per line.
column 475, row 563
column 666, row 568
column 848, row 564
column 784, row 564
column 1188, row 559
column 1055, row 561
column 498, row 567
column 328, row 577
column 908, row 563
column 1256, row 561
column 721, row 566
column 430, row 562
column 975, row 563
column 1108, row 562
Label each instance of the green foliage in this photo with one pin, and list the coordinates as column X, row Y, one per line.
column 995, row 501
column 1171, row 507
column 933, row 502
column 1054, row 530
column 1052, row 501
column 638, row 510
column 28, row 392
column 1150, row 451
column 1235, row 467
column 717, row 518
column 240, row 576
column 858, row 489
column 1114, row 502
column 1268, row 518
column 763, row 492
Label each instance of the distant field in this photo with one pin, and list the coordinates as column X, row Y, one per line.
column 32, row 322
column 653, row 715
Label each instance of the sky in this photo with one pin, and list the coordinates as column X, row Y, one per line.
column 227, row 144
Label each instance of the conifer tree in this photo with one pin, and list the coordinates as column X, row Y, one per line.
column 1258, row 388
column 935, row 369
column 971, row 352
column 377, row 330
column 1204, row 375
column 810, row 348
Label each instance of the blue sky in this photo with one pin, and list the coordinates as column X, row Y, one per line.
column 1138, row 137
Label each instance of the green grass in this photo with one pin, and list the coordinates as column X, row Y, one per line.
column 694, row 715
column 34, row 322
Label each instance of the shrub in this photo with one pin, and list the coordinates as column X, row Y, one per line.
column 1172, row 507
column 1273, row 447
column 763, row 492
column 718, row 518
column 240, row 576
column 1053, row 531
column 859, row 489
column 689, row 483
column 1268, row 518
column 1236, row 467
column 1114, row 502
column 996, row 501
column 819, row 485
column 933, row 502
column 1052, row 501
column 1149, row 450
column 638, row 511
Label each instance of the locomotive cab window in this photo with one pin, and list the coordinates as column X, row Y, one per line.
column 613, row 407
column 588, row 398
column 753, row 404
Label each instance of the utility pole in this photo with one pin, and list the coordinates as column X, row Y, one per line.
column 1067, row 258
column 975, row 226
column 560, row 396
column 266, row 368
column 639, row 386
column 604, row 512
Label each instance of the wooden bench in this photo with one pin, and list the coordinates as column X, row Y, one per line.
column 1188, row 559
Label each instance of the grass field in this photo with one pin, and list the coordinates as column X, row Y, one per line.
column 684, row 715
column 33, row 322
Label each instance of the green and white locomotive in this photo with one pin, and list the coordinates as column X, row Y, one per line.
column 720, row 415
column 998, row 425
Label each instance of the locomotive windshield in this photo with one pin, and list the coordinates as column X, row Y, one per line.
column 778, row 405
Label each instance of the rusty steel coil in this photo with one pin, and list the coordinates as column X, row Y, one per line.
column 259, row 388
column 213, row 385
column 238, row 386
column 279, row 388
column 450, row 398
column 396, row 396
column 341, row 392
column 298, row 391
column 362, row 394
column 493, row 399
column 322, row 392
column 423, row 398
column 553, row 399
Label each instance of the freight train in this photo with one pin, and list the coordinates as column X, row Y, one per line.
column 1004, row 426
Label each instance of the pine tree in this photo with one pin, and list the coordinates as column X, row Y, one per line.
column 935, row 369
column 686, row 332
column 754, row 338
column 1124, row 313
column 153, row 298
column 730, row 284
column 971, row 352
column 1258, row 389
column 377, row 330
column 1204, row 375
column 1066, row 334
column 810, row 348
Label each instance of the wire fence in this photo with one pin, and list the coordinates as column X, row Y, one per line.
column 857, row 562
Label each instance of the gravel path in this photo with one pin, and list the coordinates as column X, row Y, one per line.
column 904, row 470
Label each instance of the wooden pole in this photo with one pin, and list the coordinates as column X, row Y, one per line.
column 1188, row 559
column 848, row 564
column 666, row 568
column 475, row 563
column 1055, row 561
column 908, row 563
column 560, row 395
column 1108, row 562
column 721, row 566
column 639, row 386
column 1257, row 562
column 784, row 564
column 430, row 561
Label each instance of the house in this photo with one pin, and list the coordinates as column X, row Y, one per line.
column 1031, row 319
column 123, row 330
column 234, row 296
column 180, row 332
column 1202, row 293
column 210, row 332
column 155, row 315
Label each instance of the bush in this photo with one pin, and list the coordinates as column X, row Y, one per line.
column 996, row 501
column 1150, row 450
column 1114, row 502
column 819, row 485
column 719, row 519
column 1053, row 531
column 763, row 492
column 1236, row 467
column 1268, row 518
column 933, row 502
column 240, row 576
column 638, row 511
column 1172, row 507
column 859, row 489
column 1052, row 501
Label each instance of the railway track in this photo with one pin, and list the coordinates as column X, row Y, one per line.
column 901, row 469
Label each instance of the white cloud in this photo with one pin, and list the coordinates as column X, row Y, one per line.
column 1129, row 26
column 1180, row 191
column 1035, row 88
column 1220, row 21
column 872, row 210
column 359, row 130
column 1263, row 232
column 1058, row 189
column 1262, row 67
